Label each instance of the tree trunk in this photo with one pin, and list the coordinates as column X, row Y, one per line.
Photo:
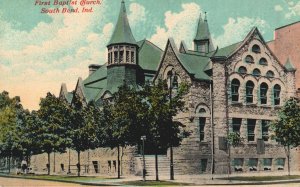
column 171, row 164
column 288, row 157
column 9, row 164
column 119, row 162
column 78, row 164
column 48, row 166
column 229, row 159
column 54, row 162
column 156, row 167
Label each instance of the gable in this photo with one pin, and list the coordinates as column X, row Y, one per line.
column 253, row 53
column 171, row 59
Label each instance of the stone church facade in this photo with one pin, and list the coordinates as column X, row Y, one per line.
column 238, row 88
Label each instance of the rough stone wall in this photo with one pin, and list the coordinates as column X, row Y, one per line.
column 220, row 116
column 187, row 157
column 224, row 110
column 105, row 158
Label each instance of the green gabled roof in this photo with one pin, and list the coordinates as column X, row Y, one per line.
column 195, row 65
column 289, row 65
column 149, row 55
column 122, row 32
column 91, row 93
column 228, row 50
column 202, row 30
column 99, row 74
column 200, row 53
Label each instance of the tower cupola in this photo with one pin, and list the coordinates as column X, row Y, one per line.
column 202, row 41
column 122, row 47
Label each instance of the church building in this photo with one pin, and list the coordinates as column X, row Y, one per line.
column 238, row 88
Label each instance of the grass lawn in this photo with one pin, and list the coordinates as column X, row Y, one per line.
column 155, row 183
column 58, row 178
column 264, row 178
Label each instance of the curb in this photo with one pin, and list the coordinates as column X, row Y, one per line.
column 63, row 181
column 223, row 182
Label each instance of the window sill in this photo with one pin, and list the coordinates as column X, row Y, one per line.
column 265, row 106
column 277, row 107
column 204, row 142
column 236, row 103
column 250, row 104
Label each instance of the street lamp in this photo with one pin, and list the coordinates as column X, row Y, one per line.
column 143, row 138
column 69, row 169
column 171, row 76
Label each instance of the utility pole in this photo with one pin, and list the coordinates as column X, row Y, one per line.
column 171, row 76
column 143, row 138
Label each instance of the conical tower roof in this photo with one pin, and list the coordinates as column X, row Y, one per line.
column 202, row 30
column 122, row 32
column 289, row 65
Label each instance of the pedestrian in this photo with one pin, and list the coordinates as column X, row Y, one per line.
column 24, row 166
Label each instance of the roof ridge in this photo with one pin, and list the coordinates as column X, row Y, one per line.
column 148, row 41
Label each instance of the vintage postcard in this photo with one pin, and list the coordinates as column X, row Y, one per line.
column 149, row 92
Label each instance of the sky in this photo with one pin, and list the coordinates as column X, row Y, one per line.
column 39, row 51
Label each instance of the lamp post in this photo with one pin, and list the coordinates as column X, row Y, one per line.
column 143, row 138
column 171, row 75
column 69, row 169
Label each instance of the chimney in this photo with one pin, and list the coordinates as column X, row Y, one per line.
column 93, row 68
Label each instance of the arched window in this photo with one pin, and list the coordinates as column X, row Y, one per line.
column 173, row 78
column 175, row 82
column 249, row 59
column 256, row 49
column 235, row 85
column 270, row 74
column 256, row 72
column 263, row 93
column 202, row 110
column 276, row 94
column 263, row 61
column 242, row 70
column 249, row 91
column 202, row 121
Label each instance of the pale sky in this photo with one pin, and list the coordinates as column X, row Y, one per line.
column 39, row 51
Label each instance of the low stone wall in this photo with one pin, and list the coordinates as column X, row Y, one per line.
column 102, row 161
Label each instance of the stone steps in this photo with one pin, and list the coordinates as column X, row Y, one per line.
column 163, row 165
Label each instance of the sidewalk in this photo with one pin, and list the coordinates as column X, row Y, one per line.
column 204, row 179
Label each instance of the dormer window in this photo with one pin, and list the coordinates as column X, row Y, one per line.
column 256, row 49
column 249, row 59
column 263, row 61
column 256, row 72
